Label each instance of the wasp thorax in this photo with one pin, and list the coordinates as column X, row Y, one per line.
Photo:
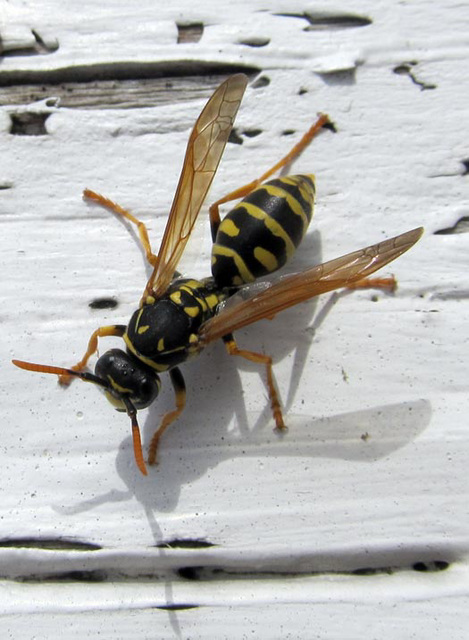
column 127, row 377
column 159, row 328
column 163, row 333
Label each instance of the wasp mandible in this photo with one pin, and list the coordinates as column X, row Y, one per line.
column 178, row 317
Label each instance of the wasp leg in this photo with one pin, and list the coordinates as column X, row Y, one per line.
column 387, row 284
column 179, row 387
column 116, row 208
column 243, row 191
column 102, row 332
column 260, row 358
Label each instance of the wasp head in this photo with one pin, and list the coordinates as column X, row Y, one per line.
column 127, row 377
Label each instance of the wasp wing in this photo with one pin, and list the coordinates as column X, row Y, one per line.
column 204, row 150
column 299, row 287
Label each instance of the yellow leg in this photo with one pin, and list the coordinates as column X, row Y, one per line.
column 102, row 332
column 180, row 393
column 387, row 284
column 243, row 191
column 260, row 358
column 116, row 208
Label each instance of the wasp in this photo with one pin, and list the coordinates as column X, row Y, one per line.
column 178, row 317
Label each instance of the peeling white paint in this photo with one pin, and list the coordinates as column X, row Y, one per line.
column 373, row 468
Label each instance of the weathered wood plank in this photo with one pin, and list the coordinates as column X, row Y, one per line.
column 372, row 474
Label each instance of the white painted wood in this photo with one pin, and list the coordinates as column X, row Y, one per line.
column 372, row 473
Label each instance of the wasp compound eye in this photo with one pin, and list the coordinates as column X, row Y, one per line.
column 128, row 377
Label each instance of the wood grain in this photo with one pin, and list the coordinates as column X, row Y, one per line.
column 355, row 523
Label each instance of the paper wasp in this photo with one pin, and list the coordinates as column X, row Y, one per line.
column 178, row 317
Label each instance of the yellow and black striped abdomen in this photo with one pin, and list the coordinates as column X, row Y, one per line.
column 260, row 233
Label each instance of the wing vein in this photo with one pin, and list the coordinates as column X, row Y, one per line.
column 204, row 151
column 299, row 287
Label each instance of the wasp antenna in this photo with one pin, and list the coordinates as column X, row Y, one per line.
column 61, row 371
column 42, row 368
column 137, row 441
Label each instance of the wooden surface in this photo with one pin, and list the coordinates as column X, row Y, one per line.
column 355, row 523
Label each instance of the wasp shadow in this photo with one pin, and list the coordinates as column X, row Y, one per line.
column 199, row 443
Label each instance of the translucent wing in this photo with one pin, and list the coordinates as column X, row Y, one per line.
column 299, row 287
column 204, row 150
